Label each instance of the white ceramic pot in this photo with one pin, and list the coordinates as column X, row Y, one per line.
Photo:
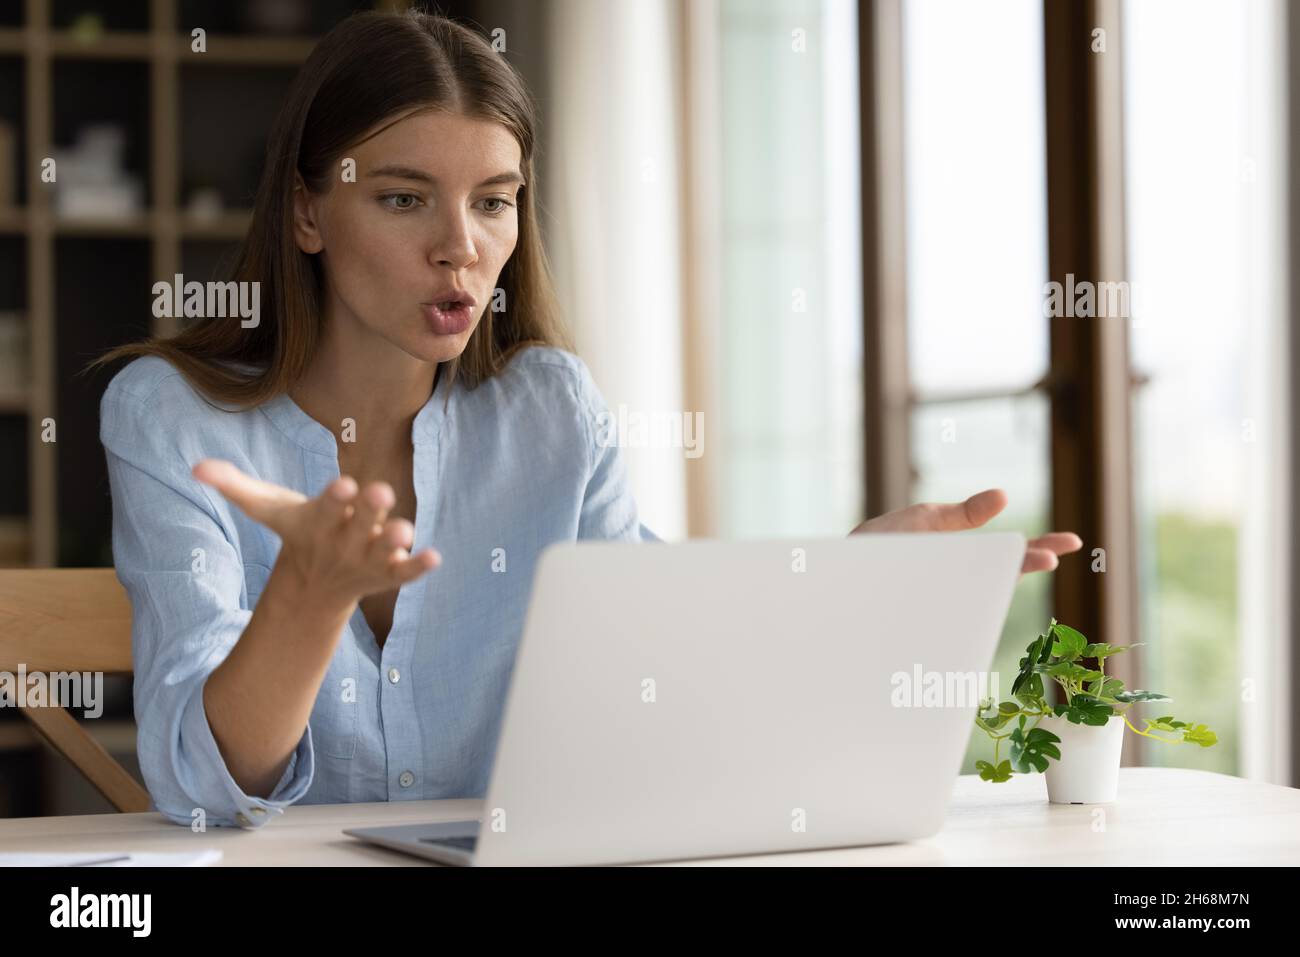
column 1088, row 770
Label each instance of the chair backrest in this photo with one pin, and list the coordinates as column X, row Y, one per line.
column 70, row 620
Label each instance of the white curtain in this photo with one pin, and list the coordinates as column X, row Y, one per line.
column 614, row 218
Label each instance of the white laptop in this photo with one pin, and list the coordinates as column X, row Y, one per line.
column 712, row 699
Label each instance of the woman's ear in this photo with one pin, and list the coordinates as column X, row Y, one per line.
column 306, row 232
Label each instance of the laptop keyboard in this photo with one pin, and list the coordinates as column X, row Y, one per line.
column 460, row 843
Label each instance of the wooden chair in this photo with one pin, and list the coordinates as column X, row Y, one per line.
column 70, row 619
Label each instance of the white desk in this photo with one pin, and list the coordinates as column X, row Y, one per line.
column 1163, row 817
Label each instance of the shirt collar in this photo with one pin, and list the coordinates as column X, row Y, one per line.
column 302, row 429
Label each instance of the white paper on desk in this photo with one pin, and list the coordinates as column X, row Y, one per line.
column 204, row 858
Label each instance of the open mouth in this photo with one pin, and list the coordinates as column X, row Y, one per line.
column 449, row 316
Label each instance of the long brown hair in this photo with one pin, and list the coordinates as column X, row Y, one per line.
column 369, row 69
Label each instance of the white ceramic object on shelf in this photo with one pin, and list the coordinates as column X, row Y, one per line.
column 1088, row 769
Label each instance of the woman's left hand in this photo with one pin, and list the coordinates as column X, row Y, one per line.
column 1041, row 554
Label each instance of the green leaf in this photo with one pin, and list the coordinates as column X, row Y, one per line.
column 1200, row 735
column 1069, row 643
column 1192, row 734
column 1166, row 723
column 1101, row 650
column 1034, row 687
column 990, row 719
column 1112, row 687
column 1069, row 671
column 997, row 775
column 1127, row 696
column 1031, row 750
column 1063, row 669
column 1027, row 663
column 1031, row 701
column 1104, row 689
column 1085, row 709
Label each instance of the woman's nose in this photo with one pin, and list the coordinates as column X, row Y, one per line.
column 454, row 244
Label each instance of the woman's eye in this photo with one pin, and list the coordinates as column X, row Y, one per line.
column 505, row 204
column 397, row 201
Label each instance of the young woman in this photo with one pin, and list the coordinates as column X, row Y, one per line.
column 278, row 490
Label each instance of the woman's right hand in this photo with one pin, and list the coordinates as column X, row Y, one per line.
column 340, row 544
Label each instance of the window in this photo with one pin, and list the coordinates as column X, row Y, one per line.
column 1205, row 195
column 976, row 264
column 791, row 284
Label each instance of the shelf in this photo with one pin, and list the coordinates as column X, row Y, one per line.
column 228, row 224
column 139, row 225
column 14, row 402
column 227, row 155
column 88, row 93
column 209, row 260
column 109, row 45
column 191, row 121
column 222, row 49
column 117, row 15
column 226, row 50
column 13, row 112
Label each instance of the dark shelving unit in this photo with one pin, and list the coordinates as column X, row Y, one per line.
column 191, row 120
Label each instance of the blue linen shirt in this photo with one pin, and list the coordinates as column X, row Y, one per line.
column 501, row 472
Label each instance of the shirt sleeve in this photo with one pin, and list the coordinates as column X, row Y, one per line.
column 185, row 581
column 609, row 510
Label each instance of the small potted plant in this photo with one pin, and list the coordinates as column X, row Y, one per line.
column 1084, row 734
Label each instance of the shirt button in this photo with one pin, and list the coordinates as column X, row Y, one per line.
column 407, row 779
column 242, row 821
column 259, row 811
column 394, row 675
